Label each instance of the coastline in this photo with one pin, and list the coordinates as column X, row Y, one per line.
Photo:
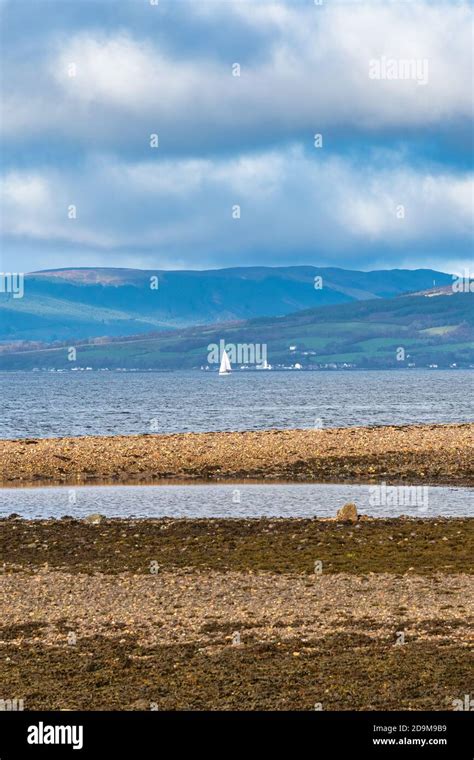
column 234, row 614
column 435, row 454
column 239, row 614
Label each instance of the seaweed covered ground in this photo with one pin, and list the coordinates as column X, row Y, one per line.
column 274, row 545
column 236, row 614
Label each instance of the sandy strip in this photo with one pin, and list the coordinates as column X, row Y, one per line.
column 440, row 454
column 207, row 608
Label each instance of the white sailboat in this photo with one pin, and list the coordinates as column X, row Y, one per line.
column 225, row 368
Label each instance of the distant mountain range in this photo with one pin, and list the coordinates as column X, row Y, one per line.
column 398, row 332
column 74, row 304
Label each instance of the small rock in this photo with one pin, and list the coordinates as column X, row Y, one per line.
column 140, row 704
column 91, row 666
column 94, row 519
column 347, row 513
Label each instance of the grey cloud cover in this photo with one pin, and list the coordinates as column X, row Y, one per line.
column 225, row 140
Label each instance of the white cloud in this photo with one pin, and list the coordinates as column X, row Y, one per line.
column 36, row 207
column 88, row 136
column 313, row 74
column 290, row 201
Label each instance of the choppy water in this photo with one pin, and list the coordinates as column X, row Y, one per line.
column 106, row 403
column 233, row 500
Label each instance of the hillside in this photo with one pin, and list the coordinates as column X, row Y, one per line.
column 74, row 304
column 362, row 334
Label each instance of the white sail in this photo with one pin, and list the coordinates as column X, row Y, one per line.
column 225, row 367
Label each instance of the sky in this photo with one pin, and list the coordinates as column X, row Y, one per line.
column 180, row 134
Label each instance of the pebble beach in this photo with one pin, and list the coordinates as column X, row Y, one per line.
column 281, row 614
column 428, row 454
column 344, row 613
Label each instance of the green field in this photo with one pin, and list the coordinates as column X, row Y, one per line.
column 365, row 333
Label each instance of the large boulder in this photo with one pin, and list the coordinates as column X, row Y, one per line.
column 347, row 513
column 94, row 519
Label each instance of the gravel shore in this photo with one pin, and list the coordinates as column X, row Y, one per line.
column 237, row 614
column 433, row 454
